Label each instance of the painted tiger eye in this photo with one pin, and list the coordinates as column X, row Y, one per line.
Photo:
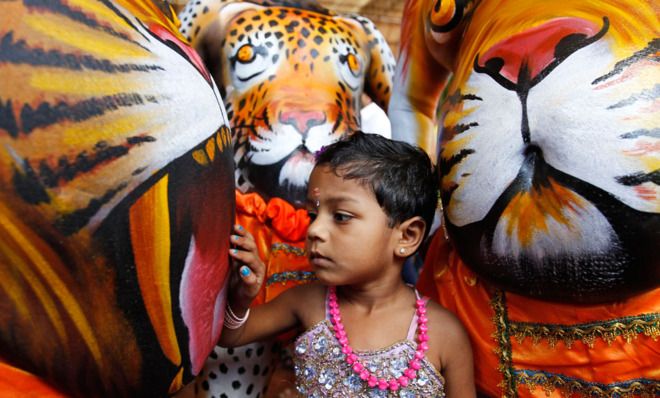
column 353, row 63
column 245, row 53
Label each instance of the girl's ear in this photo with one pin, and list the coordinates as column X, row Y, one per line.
column 411, row 236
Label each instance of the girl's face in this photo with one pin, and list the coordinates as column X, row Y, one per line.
column 349, row 240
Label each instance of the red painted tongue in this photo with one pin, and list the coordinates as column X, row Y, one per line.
column 206, row 269
column 202, row 298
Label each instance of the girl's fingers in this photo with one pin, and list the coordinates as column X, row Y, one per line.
column 248, row 258
column 247, row 265
column 244, row 241
column 240, row 230
column 239, row 255
column 249, row 279
column 247, row 275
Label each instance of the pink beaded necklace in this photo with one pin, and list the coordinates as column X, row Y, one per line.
column 358, row 367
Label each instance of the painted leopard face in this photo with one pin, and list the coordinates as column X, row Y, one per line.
column 292, row 79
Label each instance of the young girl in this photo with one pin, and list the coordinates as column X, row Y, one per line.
column 366, row 333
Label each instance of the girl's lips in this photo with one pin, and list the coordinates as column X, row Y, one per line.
column 319, row 260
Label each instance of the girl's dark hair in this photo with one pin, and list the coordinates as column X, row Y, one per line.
column 401, row 176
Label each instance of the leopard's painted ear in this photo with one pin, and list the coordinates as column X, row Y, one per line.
column 198, row 17
column 379, row 72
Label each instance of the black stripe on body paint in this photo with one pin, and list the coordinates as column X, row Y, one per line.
column 84, row 162
column 639, row 178
column 57, row 7
column 654, row 133
column 138, row 171
column 446, row 164
column 650, row 53
column 459, row 97
column 73, row 222
column 340, row 118
column 114, row 242
column 650, row 95
column 114, row 9
column 31, row 185
column 460, row 128
column 7, row 118
column 18, row 52
column 27, row 185
column 47, row 114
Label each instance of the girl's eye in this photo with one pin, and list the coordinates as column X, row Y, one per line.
column 341, row 217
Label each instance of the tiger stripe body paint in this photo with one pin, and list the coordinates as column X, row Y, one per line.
column 117, row 199
column 542, row 117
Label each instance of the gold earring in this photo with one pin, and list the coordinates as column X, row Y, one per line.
column 402, row 251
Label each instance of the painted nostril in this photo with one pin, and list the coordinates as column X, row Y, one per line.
column 302, row 120
column 528, row 54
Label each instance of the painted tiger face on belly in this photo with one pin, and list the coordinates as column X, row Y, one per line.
column 116, row 198
column 292, row 76
column 549, row 147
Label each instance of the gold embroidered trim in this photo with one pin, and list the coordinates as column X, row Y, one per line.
column 288, row 249
column 628, row 328
column 503, row 350
column 288, row 276
column 570, row 386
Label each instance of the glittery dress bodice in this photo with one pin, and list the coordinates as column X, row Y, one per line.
column 322, row 371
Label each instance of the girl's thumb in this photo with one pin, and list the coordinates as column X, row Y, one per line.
column 244, row 271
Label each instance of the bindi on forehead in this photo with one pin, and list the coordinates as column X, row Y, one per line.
column 316, row 195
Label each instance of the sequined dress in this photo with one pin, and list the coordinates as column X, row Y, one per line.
column 322, row 371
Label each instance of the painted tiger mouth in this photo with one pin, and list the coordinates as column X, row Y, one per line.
column 179, row 229
column 543, row 239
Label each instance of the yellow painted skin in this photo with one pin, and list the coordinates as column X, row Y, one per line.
column 101, row 102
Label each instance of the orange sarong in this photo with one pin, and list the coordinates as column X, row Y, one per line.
column 525, row 347
column 15, row 382
column 279, row 229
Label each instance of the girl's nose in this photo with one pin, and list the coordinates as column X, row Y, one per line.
column 314, row 230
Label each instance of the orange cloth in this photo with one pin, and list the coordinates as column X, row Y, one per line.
column 279, row 229
column 15, row 383
column 525, row 347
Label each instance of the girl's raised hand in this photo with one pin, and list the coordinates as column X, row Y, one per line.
column 248, row 270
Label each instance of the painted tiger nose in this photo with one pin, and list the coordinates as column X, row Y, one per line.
column 528, row 55
column 302, row 120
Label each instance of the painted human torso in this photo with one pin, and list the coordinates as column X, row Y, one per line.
column 547, row 151
column 116, row 198
column 548, row 154
column 292, row 75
